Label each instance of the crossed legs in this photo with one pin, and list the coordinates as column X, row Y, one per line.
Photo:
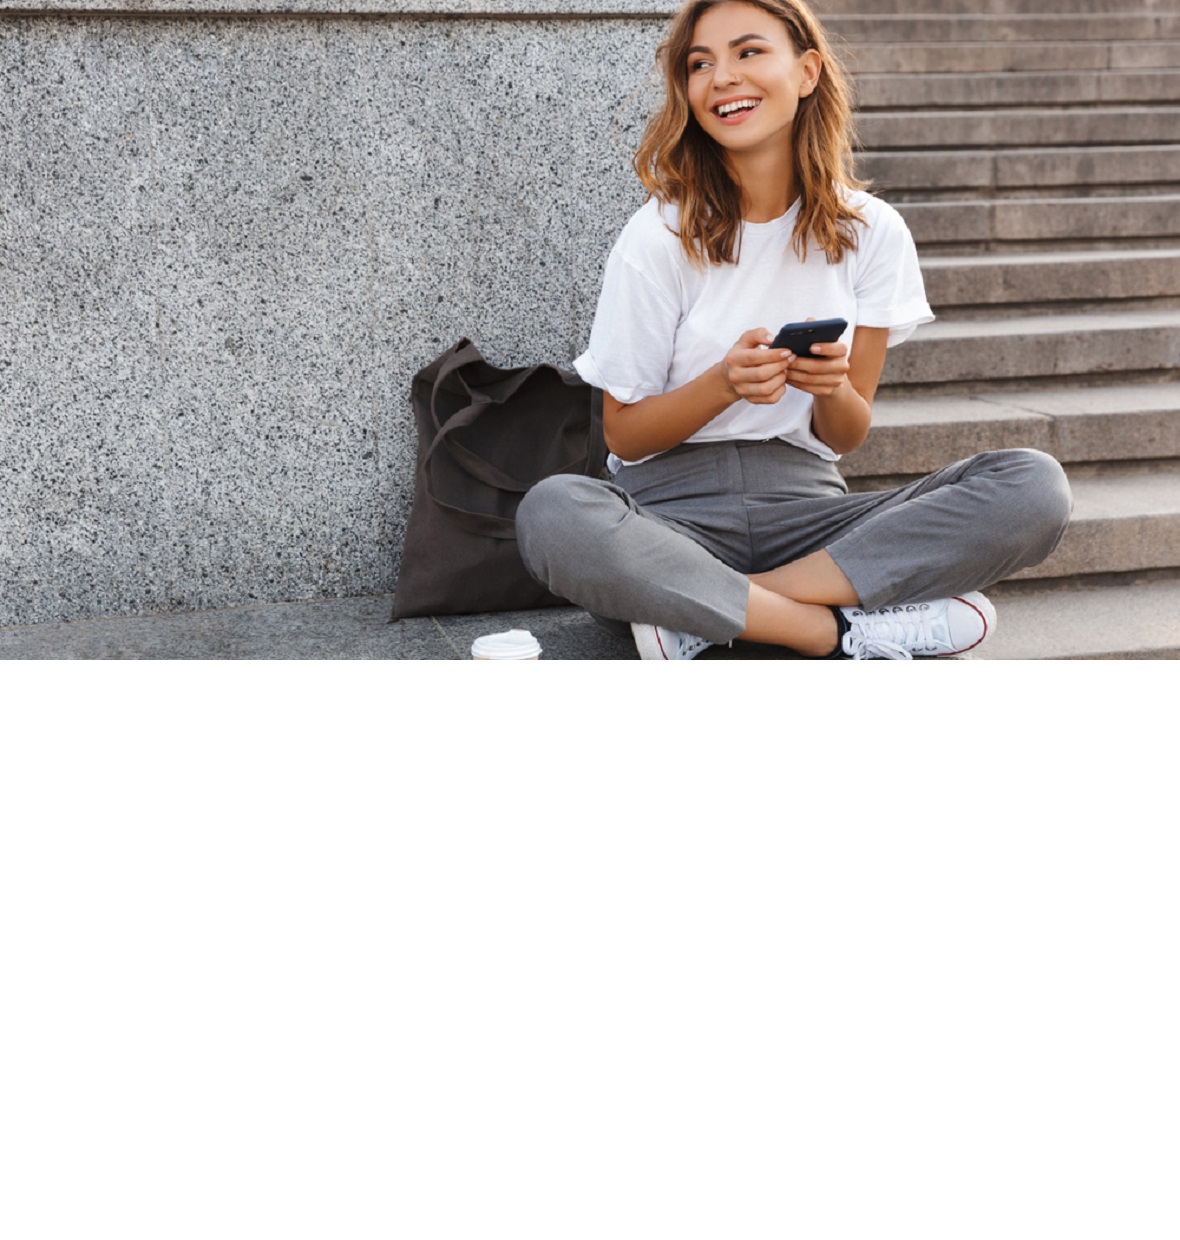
column 672, row 563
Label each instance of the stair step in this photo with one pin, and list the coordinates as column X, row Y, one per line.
column 1006, row 90
column 1037, row 347
column 912, row 436
column 1010, row 57
column 836, row 8
column 1014, row 220
column 1126, row 126
column 1021, row 169
column 1121, row 523
column 1068, row 275
column 1003, row 27
column 1138, row 620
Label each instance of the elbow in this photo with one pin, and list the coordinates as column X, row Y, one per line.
column 844, row 439
column 846, row 432
column 614, row 430
column 847, row 443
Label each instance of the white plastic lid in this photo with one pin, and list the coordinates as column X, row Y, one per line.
column 515, row 644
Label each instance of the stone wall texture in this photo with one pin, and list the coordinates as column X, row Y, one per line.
column 229, row 236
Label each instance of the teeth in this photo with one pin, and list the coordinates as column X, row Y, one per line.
column 726, row 108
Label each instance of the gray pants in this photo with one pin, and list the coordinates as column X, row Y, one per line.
column 671, row 541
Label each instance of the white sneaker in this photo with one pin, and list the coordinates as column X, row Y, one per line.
column 655, row 642
column 939, row 628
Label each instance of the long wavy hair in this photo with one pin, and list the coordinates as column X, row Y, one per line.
column 679, row 163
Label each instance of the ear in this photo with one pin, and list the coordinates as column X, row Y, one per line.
column 813, row 66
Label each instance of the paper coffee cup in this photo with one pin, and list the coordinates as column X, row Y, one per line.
column 515, row 644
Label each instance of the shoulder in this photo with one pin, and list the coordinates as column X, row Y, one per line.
column 882, row 221
column 651, row 231
column 649, row 249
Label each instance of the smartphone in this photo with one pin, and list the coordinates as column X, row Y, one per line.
column 799, row 337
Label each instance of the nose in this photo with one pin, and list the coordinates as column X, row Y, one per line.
column 728, row 73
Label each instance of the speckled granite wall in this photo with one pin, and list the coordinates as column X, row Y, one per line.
column 226, row 245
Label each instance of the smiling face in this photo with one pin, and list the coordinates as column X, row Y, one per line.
column 746, row 77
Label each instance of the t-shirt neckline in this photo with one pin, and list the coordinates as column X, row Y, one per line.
column 779, row 222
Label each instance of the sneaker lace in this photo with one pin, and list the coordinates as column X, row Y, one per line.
column 690, row 646
column 887, row 637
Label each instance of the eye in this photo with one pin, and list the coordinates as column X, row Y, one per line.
column 694, row 65
column 749, row 51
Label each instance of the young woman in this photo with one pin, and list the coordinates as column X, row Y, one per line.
column 725, row 515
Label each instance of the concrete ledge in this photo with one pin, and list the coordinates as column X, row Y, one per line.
column 864, row 20
column 1109, row 622
column 476, row 9
column 356, row 628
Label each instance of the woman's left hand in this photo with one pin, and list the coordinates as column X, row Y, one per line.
column 822, row 372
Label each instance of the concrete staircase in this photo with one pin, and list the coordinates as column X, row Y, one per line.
column 1036, row 157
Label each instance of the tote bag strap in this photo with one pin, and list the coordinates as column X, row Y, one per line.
column 479, row 522
column 504, row 385
column 474, row 465
column 483, row 397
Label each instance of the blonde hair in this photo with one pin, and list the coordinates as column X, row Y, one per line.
column 679, row 163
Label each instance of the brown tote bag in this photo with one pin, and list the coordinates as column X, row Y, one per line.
column 485, row 436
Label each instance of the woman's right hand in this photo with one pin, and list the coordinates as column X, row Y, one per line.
column 755, row 373
column 657, row 423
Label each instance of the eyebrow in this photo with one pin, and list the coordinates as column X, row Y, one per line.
column 742, row 38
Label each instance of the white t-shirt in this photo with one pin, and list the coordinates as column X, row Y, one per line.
column 661, row 321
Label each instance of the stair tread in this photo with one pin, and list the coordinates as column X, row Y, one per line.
column 1021, row 75
column 1138, row 620
column 1049, row 258
column 1115, row 496
column 1051, row 201
column 1094, row 111
column 833, row 8
column 1083, row 427
column 1058, row 402
column 1047, row 221
column 1008, row 56
column 995, row 27
column 1018, row 152
column 1047, row 324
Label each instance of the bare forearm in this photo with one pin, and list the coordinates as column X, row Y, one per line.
column 658, row 423
column 749, row 371
column 842, row 419
column 842, row 386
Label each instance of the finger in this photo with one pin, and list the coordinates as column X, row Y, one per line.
column 757, row 371
column 765, row 388
column 813, row 374
column 834, row 348
column 775, row 394
column 753, row 338
column 820, row 365
column 815, row 385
